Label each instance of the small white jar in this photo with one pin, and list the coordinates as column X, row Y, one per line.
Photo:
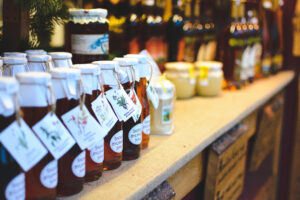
column 61, row 59
column 14, row 65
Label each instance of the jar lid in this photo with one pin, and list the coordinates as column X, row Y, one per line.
column 179, row 66
column 126, row 61
column 213, row 65
column 91, row 69
column 38, row 58
column 36, row 52
column 60, row 55
column 65, row 73
column 42, row 78
column 141, row 58
column 88, row 12
column 14, row 54
column 14, row 60
column 106, row 64
column 9, row 85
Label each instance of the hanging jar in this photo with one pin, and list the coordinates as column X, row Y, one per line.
column 61, row 59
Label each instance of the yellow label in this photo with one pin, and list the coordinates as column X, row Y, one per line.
column 115, row 24
column 161, row 81
column 204, row 72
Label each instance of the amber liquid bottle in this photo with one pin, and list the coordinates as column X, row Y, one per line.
column 133, row 29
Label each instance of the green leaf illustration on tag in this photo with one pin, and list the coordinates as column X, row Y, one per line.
column 22, row 140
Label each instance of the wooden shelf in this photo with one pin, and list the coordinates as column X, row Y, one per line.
column 198, row 122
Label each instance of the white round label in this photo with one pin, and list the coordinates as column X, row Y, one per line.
column 15, row 189
column 97, row 152
column 146, row 125
column 135, row 134
column 116, row 142
column 78, row 165
column 49, row 175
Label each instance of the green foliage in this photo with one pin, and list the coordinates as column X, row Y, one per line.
column 44, row 14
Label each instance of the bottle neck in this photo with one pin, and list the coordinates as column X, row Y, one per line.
column 197, row 8
column 188, row 9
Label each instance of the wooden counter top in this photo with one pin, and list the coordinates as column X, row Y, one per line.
column 198, row 122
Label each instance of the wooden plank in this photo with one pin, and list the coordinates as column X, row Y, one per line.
column 188, row 177
column 251, row 121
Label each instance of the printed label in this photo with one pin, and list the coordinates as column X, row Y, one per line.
column 135, row 134
column 23, row 145
column 153, row 96
column 84, row 128
column 91, row 44
column 78, row 165
column 104, row 113
column 146, row 125
column 116, row 142
column 121, row 103
column 166, row 114
column 137, row 103
column 15, row 189
column 97, row 152
column 54, row 135
column 49, row 175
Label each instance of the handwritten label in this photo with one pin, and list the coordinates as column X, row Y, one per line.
column 153, row 96
column 97, row 152
column 116, row 142
column 146, row 125
column 49, row 175
column 15, row 189
column 78, row 165
column 137, row 103
column 135, row 134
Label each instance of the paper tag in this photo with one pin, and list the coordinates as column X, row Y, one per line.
column 153, row 96
column 121, row 103
column 78, row 165
column 137, row 103
column 104, row 113
column 97, row 152
column 49, row 175
column 146, row 125
column 23, row 145
column 54, row 135
column 84, row 128
column 166, row 114
column 116, row 142
column 135, row 134
column 15, row 189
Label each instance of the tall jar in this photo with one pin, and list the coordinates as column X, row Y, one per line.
column 12, row 182
column 66, row 88
column 34, row 100
column 61, row 59
column 182, row 75
column 144, row 71
column 132, row 128
column 14, row 65
column 35, row 52
column 94, row 157
column 39, row 63
column 87, row 35
column 112, row 154
column 14, row 54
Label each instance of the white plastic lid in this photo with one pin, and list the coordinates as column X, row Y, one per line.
column 141, row 58
column 38, row 58
column 179, row 66
column 36, row 52
column 214, row 65
column 9, row 85
column 88, row 12
column 14, row 60
column 41, row 78
column 65, row 73
column 126, row 61
column 106, row 64
column 14, row 54
column 91, row 69
column 60, row 55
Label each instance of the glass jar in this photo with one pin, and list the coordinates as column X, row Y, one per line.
column 182, row 75
column 39, row 63
column 112, row 159
column 145, row 72
column 14, row 65
column 132, row 129
column 162, row 118
column 14, row 54
column 10, row 172
column 61, row 59
column 35, row 52
column 34, row 100
column 90, row 78
column 87, row 35
column 209, row 78
column 66, row 88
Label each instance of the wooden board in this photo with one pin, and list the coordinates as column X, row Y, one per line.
column 251, row 121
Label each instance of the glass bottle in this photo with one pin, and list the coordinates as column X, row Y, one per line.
column 94, row 157
column 39, row 63
column 112, row 159
column 34, row 100
column 133, row 30
column 14, row 65
column 132, row 129
column 87, row 35
column 66, row 88
column 12, row 182
column 61, row 59
column 144, row 71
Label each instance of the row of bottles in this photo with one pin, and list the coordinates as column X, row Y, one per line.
column 63, row 124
